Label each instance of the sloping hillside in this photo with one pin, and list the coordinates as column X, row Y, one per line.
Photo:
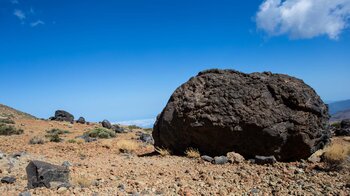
column 339, row 106
column 8, row 112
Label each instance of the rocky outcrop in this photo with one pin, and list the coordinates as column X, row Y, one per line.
column 42, row 174
column 344, row 129
column 106, row 124
column 61, row 115
column 265, row 114
column 81, row 120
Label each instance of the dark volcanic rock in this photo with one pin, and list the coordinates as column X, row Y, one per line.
column 207, row 158
column 118, row 129
column 345, row 124
column 61, row 115
column 146, row 138
column 344, row 129
column 106, row 124
column 220, row 111
column 81, row 120
column 220, row 160
column 8, row 180
column 41, row 174
column 265, row 160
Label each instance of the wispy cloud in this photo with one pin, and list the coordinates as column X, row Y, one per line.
column 304, row 19
column 36, row 23
column 14, row 1
column 145, row 123
column 19, row 14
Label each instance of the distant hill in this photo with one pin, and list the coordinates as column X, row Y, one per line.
column 339, row 106
column 8, row 112
column 341, row 116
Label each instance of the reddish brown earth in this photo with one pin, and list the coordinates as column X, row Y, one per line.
column 100, row 169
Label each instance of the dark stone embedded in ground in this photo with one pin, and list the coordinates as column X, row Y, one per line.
column 220, row 111
column 344, row 129
column 81, row 120
column 207, row 158
column 262, row 160
column 118, row 129
column 106, row 124
column 220, row 160
column 146, row 138
column 8, row 180
column 42, row 174
column 61, row 115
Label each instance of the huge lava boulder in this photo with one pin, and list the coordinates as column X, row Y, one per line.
column 61, row 115
column 266, row 114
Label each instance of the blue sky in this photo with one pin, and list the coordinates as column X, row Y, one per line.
column 121, row 60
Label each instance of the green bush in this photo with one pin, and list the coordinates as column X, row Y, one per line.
column 55, row 138
column 6, row 121
column 9, row 130
column 57, row 131
column 72, row 141
column 131, row 127
column 101, row 133
column 336, row 125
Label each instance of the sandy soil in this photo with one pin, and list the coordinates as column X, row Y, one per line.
column 98, row 168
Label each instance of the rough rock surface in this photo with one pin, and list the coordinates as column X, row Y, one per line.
column 41, row 174
column 106, row 124
column 61, row 115
column 81, row 120
column 344, row 129
column 220, row 111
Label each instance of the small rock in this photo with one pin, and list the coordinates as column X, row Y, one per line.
column 207, row 158
column 298, row 171
column 25, row 194
column 235, row 157
column 220, row 160
column 8, row 180
column 2, row 155
column 18, row 154
column 121, row 187
column 66, row 164
column 118, row 129
column 62, row 190
column 265, row 160
column 146, row 138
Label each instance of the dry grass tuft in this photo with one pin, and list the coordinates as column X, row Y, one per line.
column 336, row 156
column 81, row 181
column 192, row 153
column 107, row 144
column 163, row 152
column 80, row 141
column 127, row 146
column 36, row 140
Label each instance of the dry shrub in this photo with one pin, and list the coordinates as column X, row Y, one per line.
column 127, row 146
column 36, row 140
column 336, row 156
column 80, row 140
column 192, row 153
column 81, row 181
column 163, row 151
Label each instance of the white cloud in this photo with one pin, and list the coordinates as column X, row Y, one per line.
column 19, row 14
column 36, row 23
column 146, row 123
column 303, row 19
